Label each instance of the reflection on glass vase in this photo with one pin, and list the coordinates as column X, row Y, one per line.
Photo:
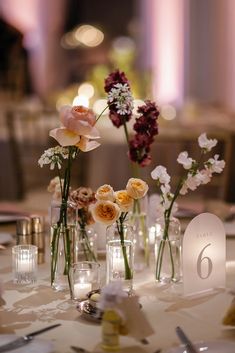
column 85, row 245
column 138, row 220
column 63, row 231
column 119, row 255
column 168, row 250
column 141, row 241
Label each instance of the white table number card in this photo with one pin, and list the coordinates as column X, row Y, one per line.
column 204, row 252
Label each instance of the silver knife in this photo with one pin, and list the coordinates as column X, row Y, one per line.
column 79, row 349
column 185, row 340
column 21, row 341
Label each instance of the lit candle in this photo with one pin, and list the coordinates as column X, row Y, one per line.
column 24, row 266
column 25, row 262
column 80, row 290
column 118, row 264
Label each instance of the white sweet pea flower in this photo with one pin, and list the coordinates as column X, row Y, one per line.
column 205, row 176
column 160, row 174
column 165, row 188
column 185, row 160
column 192, row 182
column 216, row 165
column 184, row 189
column 205, row 143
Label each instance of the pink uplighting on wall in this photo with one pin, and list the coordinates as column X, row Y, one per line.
column 21, row 14
column 168, row 50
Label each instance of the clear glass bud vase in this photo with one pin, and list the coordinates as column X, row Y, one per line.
column 120, row 255
column 141, row 241
column 63, row 233
column 168, row 248
column 85, row 244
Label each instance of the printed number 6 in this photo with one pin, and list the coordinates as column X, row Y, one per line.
column 200, row 260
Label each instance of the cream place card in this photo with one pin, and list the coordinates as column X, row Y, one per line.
column 204, row 254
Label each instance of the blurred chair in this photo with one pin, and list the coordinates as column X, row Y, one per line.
column 28, row 135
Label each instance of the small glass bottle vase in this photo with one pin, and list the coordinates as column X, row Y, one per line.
column 85, row 245
column 168, row 250
column 120, row 255
column 63, row 233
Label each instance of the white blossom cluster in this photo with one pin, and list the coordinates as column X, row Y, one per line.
column 54, row 157
column 193, row 178
column 120, row 96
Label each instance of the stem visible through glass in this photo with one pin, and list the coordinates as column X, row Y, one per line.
column 120, row 226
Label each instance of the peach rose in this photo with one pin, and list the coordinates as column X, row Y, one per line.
column 105, row 212
column 124, row 200
column 137, row 188
column 77, row 128
column 105, row 193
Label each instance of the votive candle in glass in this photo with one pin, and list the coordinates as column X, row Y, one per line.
column 84, row 278
column 24, row 263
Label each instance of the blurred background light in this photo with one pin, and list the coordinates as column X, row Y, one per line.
column 86, row 89
column 99, row 105
column 137, row 103
column 62, row 101
column 168, row 112
column 81, row 100
column 123, row 44
column 68, row 41
column 89, row 35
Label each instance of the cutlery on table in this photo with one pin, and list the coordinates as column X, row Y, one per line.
column 21, row 341
column 185, row 340
column 79, row 349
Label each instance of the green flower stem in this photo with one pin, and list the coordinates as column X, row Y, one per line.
column 99, row 116
column 145, row 237
column 62, row 226
column 54, row 252
column 126, row 132
column 167, row 215
column 128, row 272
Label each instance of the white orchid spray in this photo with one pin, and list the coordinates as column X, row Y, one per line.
column 196, row 174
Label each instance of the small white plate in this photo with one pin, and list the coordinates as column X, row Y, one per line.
column 5, row 238
column 209, row 347
column 35, row 346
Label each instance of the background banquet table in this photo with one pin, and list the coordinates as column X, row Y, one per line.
column 27, row 308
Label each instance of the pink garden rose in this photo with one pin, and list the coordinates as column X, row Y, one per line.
column 77, row 128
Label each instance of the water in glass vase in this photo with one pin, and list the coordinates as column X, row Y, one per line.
column 168, row 251
column 61, row 256
column 120, row 262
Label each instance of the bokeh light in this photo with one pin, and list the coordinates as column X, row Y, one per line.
column 86, row 89
column 99, row 106
column 89, row 35
column 81, row 100
column 168, row 112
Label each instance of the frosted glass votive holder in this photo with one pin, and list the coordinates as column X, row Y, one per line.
column 85, row 277
column 24, row 263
